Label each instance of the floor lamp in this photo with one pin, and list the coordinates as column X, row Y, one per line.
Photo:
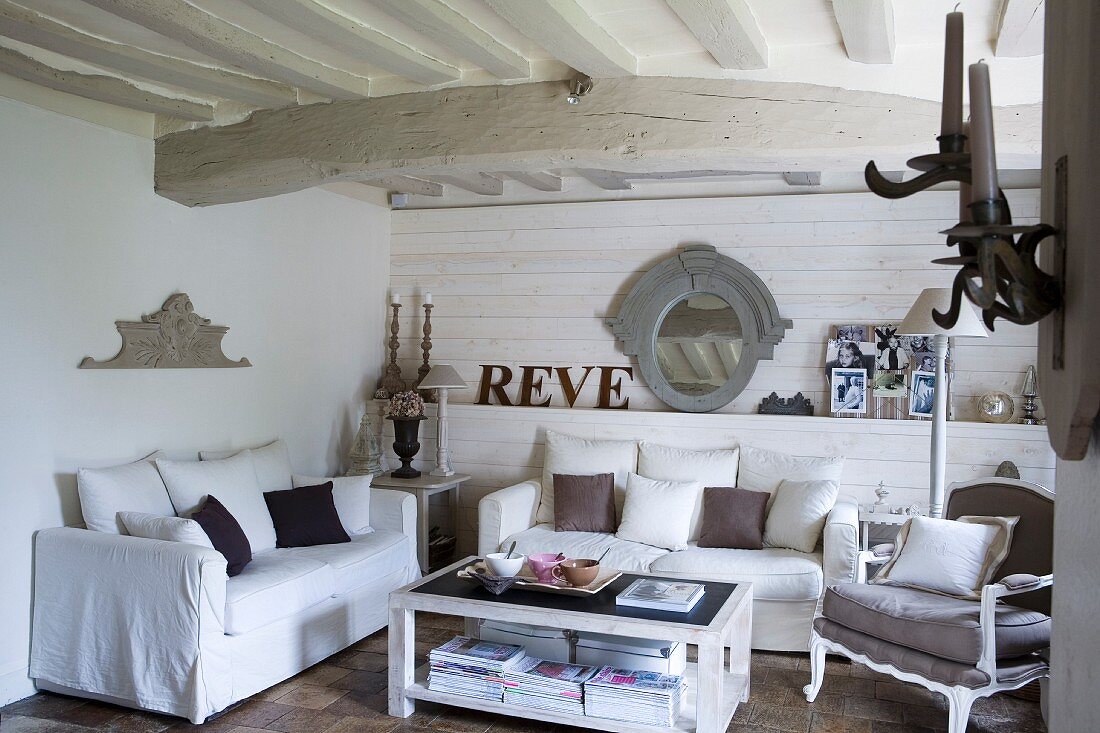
column 918, row 322
column 442, row 377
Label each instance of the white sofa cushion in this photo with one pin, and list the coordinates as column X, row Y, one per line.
column 763, row 470
column 776, row 574
column 708, row 467
column 798, row 513
column 233, row 481
column 351, row 495
column 171, row 529
column 659, row 513
column 627, row 556
column 104, row 492
column 272, row 462
column 273, row 586
column 363, row 560
column 568, row 454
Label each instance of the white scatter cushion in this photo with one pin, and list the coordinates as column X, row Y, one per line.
column 233, row 481
column 658, row 513
column 172, row 529
column 798, row 513
column 708, row 467
column 951, row 557
column 272, row 463
column 351, row 495
column 104, row 492
column 764, row 470
column 570, row 455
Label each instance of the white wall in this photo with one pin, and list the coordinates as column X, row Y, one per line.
column 84, row 241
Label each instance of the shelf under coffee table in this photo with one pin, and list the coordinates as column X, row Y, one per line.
column 722, row 620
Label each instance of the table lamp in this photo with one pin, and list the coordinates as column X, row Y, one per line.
column 442, row 377
column 918, row 322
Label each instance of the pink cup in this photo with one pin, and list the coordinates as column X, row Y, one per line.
column 545, row 566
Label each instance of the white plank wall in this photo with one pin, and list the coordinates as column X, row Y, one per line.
column 531, row 284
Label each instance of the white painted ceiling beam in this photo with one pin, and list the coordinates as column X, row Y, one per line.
column 408, row 184
column 728, row 355
column 29, row 27
column 727, row 29
column 481, row 183
column 693, row 350
column 356, row 40
column 1020, row 28
column 868, row 29
column 607, row 180
column 564, row 29
column 101, row 88
column 536, row 180
column 226, row 42
column 440, row 23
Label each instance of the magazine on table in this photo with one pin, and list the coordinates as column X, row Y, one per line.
column 661, row 595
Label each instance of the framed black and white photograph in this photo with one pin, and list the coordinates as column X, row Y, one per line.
column 889, row 385
column 918, row 343
column 852, row 333
column 849, row 391
column 924, row 361
column 891, row 350
column 922, row 394
column 840, row 354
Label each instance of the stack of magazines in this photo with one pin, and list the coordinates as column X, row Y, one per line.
column 538, row 683
column 649, row 698
column 661, row 595
column 465, row 666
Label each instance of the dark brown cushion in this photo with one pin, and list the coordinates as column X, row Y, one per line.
column 584, row 503
column 942, row 626
column 305, row 517
column 225, row 534
column 733, row 518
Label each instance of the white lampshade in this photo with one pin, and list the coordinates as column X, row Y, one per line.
column 918, row 321
column 442, row 376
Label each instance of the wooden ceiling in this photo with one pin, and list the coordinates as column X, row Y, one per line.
column 215, row 62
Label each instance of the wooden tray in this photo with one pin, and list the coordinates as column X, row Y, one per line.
column 528, row 582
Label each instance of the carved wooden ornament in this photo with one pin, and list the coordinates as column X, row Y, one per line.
column 175, row 337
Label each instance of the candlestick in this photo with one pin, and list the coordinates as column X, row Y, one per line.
column 392, row 383
column 426, row 347
column 951, row 109
column 983, row 157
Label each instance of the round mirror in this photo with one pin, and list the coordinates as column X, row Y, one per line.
column 698, row 344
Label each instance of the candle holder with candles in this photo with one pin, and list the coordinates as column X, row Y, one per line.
column 391, row 382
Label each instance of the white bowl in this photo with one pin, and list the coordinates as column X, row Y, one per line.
column 505, row 568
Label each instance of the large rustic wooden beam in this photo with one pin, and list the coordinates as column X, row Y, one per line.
column 727, row 29
column 1020, row 28
column 226, row 42
column 25, row 25
column 356, row 40
column 630, row 125
column 101, row 88
column 442, row 24
column 570, row 34
column 868, row 29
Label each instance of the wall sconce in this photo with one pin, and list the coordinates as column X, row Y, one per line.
column 580, row 86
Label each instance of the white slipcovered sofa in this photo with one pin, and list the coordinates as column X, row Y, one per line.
column 787, row 584
column 158, row 625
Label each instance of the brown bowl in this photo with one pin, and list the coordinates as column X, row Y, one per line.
column 580, row 573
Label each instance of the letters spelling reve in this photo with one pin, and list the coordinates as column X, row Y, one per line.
column 495, row 377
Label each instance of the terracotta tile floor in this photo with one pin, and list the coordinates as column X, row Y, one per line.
column 346, row 693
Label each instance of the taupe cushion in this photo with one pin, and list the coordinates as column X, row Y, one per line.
column 939, row 625
column 584, row 503
column 925, row 665
column 733, row 518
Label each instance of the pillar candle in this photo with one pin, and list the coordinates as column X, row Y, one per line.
column 427, row 298
column 964, row 188
column 951, row 109
column 983, row 153
column 395, row 299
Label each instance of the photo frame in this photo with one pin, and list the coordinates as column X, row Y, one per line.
column 922, row 392
column 848, row 391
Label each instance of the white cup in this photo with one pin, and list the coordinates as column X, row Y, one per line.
column 502, row 566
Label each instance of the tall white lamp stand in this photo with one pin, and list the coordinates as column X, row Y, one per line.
column 918, row 322
column 442, row 377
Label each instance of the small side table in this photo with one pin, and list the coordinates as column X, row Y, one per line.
column 882, row 515
column 424, row 487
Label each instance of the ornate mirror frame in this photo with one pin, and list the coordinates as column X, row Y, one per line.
column 698, row 270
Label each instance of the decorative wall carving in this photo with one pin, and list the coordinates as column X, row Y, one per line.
column 175, row 337
column 773, row 404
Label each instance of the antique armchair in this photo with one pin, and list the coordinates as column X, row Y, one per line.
column 961, row 648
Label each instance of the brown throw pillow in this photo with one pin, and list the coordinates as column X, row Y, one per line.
column 225, row 535
column 584, row 503
column 305, row 516
column 733, row 518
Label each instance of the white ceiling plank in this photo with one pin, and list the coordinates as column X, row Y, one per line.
column 357, row 40
column 536, row 180
column 802, row 178
column 408, row 184
column 29, row 27
column 693, row 350
column 727, row 29
column 481, row 183
column 564, row 29
column 868, row 29
column 607, row 180
column 449, row 28
column 101, row 88
column 1020, row 28
column 229, row 44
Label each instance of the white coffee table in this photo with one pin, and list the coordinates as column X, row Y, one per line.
column 722, row 620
